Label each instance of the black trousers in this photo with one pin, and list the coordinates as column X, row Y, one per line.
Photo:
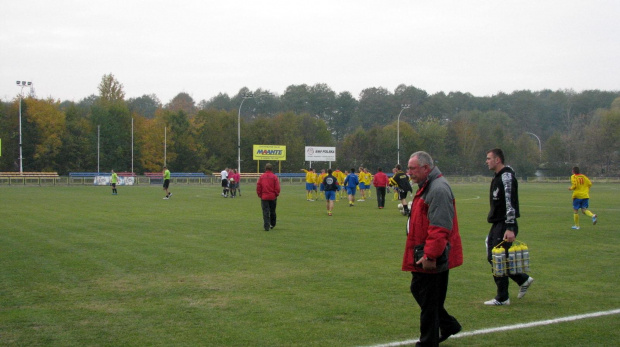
column 381, row 196
column 269, row 213
column 429, row 291
column 496, row 236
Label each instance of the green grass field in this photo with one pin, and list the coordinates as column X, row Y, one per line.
column 81, row 267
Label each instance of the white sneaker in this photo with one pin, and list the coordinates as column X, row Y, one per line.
column 594, row 220
column 494, row 302
column 524, row 287
column 575, row 227
column 165, row 198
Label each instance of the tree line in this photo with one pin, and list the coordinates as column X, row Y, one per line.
column 546, row 130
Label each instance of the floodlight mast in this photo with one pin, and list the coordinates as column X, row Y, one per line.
column 243, row 98
column 539, row 143
column 403, row 107
column 21, row 85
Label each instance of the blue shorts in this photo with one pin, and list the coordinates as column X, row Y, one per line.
column 330, row 195
column 580, row 203
column 351, row 190
column 309, row 186
column 363, row 185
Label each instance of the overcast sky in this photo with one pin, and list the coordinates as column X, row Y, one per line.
column 207, row 47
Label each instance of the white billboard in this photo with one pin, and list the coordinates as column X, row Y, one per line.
column 320, row 153
column 122, row 180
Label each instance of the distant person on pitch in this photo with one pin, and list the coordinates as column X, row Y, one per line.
column 268, row 190
column 351, row 182
column 167, row 183
column 113, row 181
column 580, row 185
column 380, row 181
column 330, row 186
column 224, row 175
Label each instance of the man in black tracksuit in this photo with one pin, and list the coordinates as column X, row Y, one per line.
column 401, row 181
column 504, row 200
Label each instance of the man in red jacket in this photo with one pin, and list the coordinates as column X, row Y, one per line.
column 433, row 247
column 268, row 189
column 380, row 181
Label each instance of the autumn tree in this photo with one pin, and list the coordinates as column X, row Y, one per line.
column 111, row 122
column 77, row 153
column 182, row 102
column 146, row 105
column 110, row 89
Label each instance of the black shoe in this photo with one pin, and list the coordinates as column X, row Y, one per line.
column 443, row 337
column 273, row 226
column 266, row 229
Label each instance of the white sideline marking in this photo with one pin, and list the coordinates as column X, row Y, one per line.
column 476, row 198
column 511, row 327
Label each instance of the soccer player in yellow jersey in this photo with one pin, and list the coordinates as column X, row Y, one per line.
column 310, row 182
column 362, row 185
column 580, row 185
column 319, row 183
column 340, row 176
column 368, row 182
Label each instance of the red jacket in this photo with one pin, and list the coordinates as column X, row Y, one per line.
column 268, row 186
column 433, row 222
column 380, row 179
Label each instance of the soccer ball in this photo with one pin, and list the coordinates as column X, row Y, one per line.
column 400, row 207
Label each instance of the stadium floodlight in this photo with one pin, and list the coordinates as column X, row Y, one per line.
column 21, row 85
column 402, row 108
column 243, row 98
column 539, row 143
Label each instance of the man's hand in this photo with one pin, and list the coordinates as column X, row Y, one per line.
column 427, row 264
column 509, row 236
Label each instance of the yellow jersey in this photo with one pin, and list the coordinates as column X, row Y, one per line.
column 367, row 176
column 580, row 185
column 310, row 176
column 340, row 176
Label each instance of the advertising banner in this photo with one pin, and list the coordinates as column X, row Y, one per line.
column 269, row 152
column 122, row 181
column 320, row 153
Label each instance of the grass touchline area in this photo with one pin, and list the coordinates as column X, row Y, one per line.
column 81, row 266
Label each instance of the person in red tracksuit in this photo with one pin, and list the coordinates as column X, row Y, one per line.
column 433, row 247
column 268, row 189
column 380, row 181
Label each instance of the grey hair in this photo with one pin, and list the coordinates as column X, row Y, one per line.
column 423, row 159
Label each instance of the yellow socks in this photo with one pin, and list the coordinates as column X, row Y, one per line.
column 576, row 219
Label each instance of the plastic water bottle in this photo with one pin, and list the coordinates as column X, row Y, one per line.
column 502, row 260
column 518, row 259
column 512, row 259
column 497, row 254
column 525, row 255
